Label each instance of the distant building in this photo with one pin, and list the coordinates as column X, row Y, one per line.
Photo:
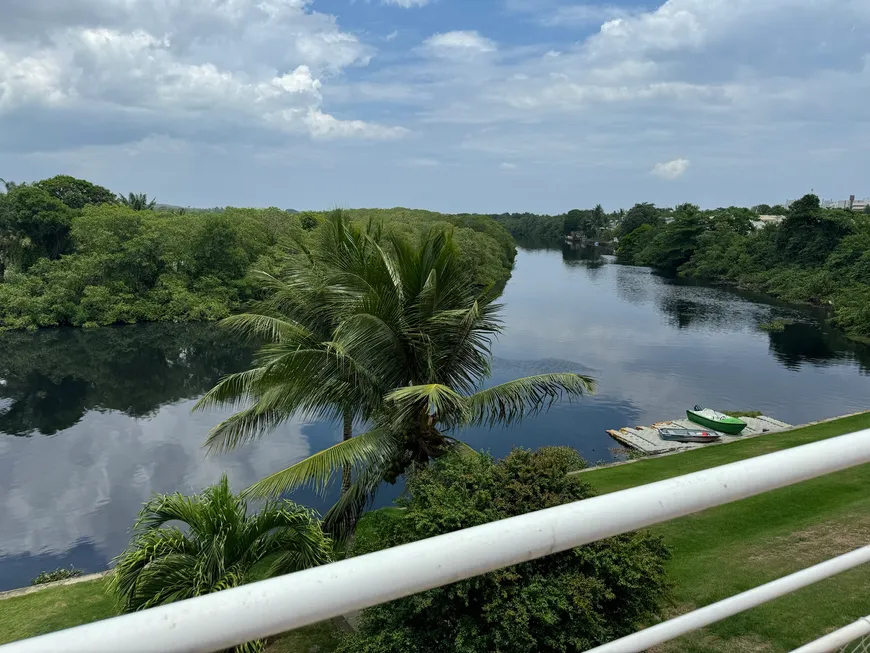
column 766, row 220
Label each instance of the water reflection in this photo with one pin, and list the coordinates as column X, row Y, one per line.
column 118, row 401
column 803, row 342
column 50, row 379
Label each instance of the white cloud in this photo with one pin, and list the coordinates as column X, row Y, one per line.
column 191, row 68
column 459, row 43
column 670, row 170
column 742, row 85
column 582, row 14
column 508, row 166
column 406, row 4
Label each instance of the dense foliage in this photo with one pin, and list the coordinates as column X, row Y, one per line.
column 61, row 573
column 591, row 223
column 564, row 602
column 74, row 253
column 381, row 330
column 220, row 546
column 813, row 255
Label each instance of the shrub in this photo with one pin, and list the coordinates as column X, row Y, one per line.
column 61, row 573
column 564, row 602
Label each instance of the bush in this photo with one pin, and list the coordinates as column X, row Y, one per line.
column 61, row 573
column 564, row 602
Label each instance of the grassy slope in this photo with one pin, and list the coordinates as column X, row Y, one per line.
column 61, row 607
column 717, row 553
column 53, row 609
column 730, row 549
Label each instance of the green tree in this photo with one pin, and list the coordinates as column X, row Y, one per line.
column 303, row 308
column 867, row 209
column 638, row 215
column 674, row 243
column 33, row 225
column 779, row 209
column 568, row 601
column 809, row 234
column 762, row 209
column 221, row 546
column 137, row 201
column 411, row 348
column 76, row 193
column 632, row 244
column 599, row 219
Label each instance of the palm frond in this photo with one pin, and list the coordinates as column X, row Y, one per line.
column 164, row 508
column 318, row 470
column 254, row 326
column 245, row 426
column 436, row 401
column 234, row 390
column 143, row 550
column 341, row 519
column 511, row 402
column 461, row 448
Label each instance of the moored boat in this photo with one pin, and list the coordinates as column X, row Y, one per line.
column 715, row 420
column 687, row 435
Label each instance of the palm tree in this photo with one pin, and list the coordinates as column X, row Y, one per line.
column 137, row 201
column 413, row 340
column 298, row 321
column 8, row 185
column 220, row 547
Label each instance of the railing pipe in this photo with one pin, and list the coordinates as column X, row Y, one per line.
column 221, row 620
column 839, row 638
column 673, row 628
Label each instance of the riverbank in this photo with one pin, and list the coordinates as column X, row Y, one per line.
column 716, row 553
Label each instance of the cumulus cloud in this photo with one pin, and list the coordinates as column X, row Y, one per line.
column 179, row 68
column 670, row 170
column 741, row 85
column 459, row 43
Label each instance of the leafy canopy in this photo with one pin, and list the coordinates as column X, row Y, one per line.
column 564, row 602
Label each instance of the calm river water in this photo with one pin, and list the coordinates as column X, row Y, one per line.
column 92, row 422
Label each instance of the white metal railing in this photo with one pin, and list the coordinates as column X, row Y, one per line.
column 224, row 619
column 842, row 639
column 673, row 628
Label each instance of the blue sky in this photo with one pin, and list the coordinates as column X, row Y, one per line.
column 451, row 105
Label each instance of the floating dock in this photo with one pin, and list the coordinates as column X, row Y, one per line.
column 647, row 440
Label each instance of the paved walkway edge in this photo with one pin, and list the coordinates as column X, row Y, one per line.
column 58, row 583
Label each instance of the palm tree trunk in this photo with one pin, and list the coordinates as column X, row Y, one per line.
column 346, row 435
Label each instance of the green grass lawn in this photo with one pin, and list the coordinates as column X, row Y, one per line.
column 716, row 553
column 732, row 548
column 55, row 608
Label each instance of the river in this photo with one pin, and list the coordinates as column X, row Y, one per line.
column 92, row 422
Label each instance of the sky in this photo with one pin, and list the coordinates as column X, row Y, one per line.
column 448, row 105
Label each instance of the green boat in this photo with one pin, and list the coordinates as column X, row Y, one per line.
column 716, row 421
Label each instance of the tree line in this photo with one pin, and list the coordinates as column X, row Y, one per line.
column 813, row 255
column 590, row 223
column 74, row 253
